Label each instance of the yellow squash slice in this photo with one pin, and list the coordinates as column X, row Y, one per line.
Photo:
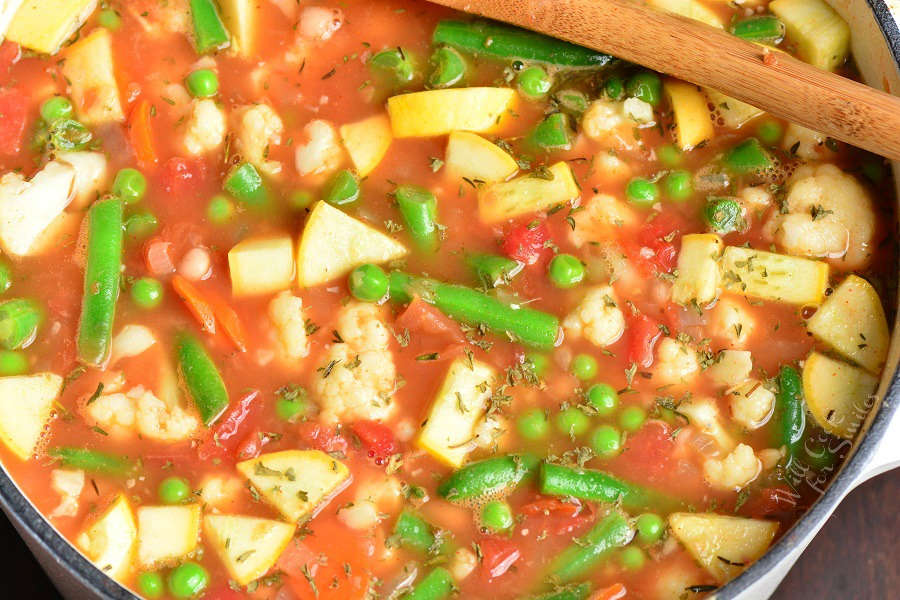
column 710, row 538
column 166, row 534
column 693, row 125
column 851, row 321
column 821, row 35
column 367, row 142
column 26, row 405
column 334, row 243
column 837, row 394
column 776, row 277
column 90, row 71
column 295, row 482
column 241, row 19
column 438, row 112
column 698, row 269
column 734, row 113
column 471, row 156
column 43, row 25
column 247, row 546
column 109, row 541
column 504, row 200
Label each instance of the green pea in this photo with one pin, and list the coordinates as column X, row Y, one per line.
column 642, row 192
column 537, row 362
column 56, row 108
column 395, row 64
column 679, row 185
column 631, row 418
column 584, row 367
column 770, row 132
column 496, row 515
column 614, row 88
column 606, row 441
column 534, row 82
column 147, row 292
column 109, row 19
column 565, row 271
column 632, row 558
column 645, row 86
column 174, row 490
column 5, row 277
column 723, row 215
column 220, row 209
column 188, row 580
column 203, row 83
column 289, row 409
column 533, row 424
column 130, row 185
column 603, row 398
column 669, row 155
column 572, row 422
column 300, row 199
column 449, row 67
column 140, row 225
column 650, row 527
column 343, row 189
column 151, row 585
column 368, row 283
column 13, row 363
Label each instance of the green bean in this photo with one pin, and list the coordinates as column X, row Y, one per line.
column 201, row 378
column 570, row 592
column 503, row 41
column 412, row 531
column 587, row 552
column 19, row 322
column 92, row 461
column 552, row 133
column 488, row 477
column 493, row 270
column 449, row 68
column 102, row 276
column 437, row 585
column 588, row 484
column 531, row 327
column 246, row 184
column 764, row 28
column 394, row 63
column 790, row 412
column 419, row 209
column 209, row 32
column 723, row 215
column 342, row 189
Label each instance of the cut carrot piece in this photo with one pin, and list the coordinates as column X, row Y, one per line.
column 198, row 305
column 230, row 322
column 141, row 134
column 613, row 592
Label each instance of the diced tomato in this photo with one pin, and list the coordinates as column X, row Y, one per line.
column 498, row 555
column 223, row 592
column 13, row 116
column 180, row 176
column 654, row 249
column 321, row 437
column 421, row 317
column 527, row 243
column 158, row 257
column 613, row 592
column 647, row 452
column 643, row 333
column 771, row 501
column 377, row 438
column 310, row 577
column 557, row 516
column 251, row 446
column 232, row 428
column 10, row 53
column 551, row 506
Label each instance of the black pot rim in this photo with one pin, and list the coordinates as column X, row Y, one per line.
column 27, row 519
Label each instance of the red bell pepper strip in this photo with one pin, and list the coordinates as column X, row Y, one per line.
column 232, row 427
column 377, row 438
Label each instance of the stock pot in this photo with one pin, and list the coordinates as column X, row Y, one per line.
column 875, row 25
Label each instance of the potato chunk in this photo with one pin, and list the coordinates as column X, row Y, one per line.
column 43, row 25
column 26, row 405
column 247, row 546
column 90, row 70
column 261, row 265
column 166, row 534
column 109, row 541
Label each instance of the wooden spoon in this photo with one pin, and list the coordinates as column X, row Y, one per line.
column 695, row 52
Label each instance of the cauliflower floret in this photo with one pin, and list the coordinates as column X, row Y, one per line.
column 140, row 411
column 732, row 367
column 68, row 484
column 157, row 18
column 602, row 218
column 752, row 404
column 802, row 142
column 320, row 23
column 373, row 499
column 220, row 491
column 205, row 128
column 612, row 167
column 360, row 515
column 286, row 314
column 638, row 111
column 704, row 416
column 829, row 214
column 132, row 340
column 358, row 377
column 735, row 471
column 90, row 176
column 322, row 153
column 731, row 321
column 602, row 118
column 258, row 128
column 676, row 362
column 755, row 198
column 462, row 563
column 597, row 318
column 612, row 123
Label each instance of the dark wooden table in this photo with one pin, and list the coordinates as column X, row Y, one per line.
column 855, row 556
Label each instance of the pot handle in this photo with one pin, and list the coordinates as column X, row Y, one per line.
column 887, row 452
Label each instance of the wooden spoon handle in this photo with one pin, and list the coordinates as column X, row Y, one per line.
column 695, row 52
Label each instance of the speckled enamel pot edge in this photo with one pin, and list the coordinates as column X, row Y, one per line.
column 77, row 578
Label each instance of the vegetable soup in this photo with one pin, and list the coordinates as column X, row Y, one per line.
column 354, row 300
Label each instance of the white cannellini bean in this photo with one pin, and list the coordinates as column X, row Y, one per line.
column 196, row 264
